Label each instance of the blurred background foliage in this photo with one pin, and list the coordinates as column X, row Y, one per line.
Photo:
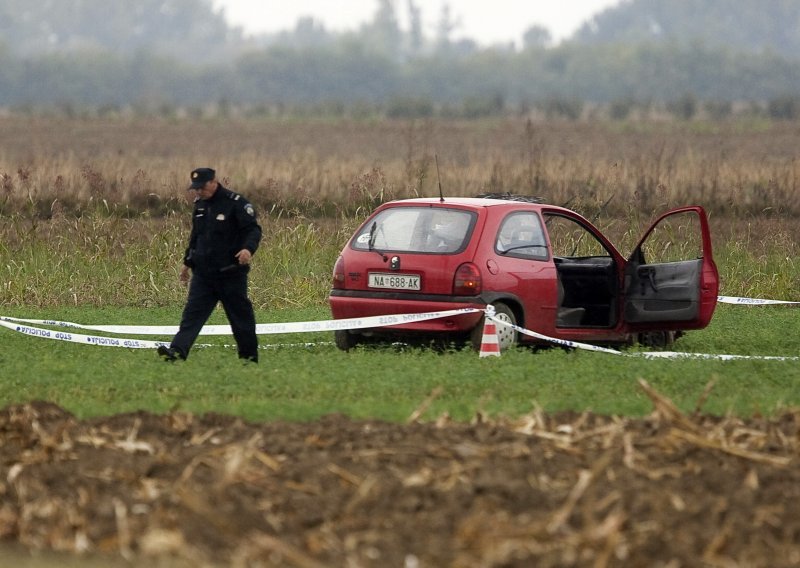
column 641, row 58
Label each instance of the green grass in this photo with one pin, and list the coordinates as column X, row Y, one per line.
column 93, row 236
column 301, row 383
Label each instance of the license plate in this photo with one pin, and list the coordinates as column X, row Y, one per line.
column 394, row 281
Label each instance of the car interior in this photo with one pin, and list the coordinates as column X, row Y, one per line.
column 587, row 292
column 587, row 275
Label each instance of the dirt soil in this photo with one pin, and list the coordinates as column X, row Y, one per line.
column 564, row 489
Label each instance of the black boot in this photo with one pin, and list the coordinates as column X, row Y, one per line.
column 170, row 353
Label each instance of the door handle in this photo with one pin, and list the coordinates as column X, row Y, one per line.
column 647, row 274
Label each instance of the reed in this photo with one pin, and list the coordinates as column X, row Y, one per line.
column 328, row 169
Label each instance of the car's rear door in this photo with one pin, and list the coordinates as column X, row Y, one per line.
column 519, row 266
column 671, row 281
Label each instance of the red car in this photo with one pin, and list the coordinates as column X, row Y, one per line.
column 543, row 267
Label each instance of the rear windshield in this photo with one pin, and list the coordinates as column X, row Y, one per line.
column 417, row 229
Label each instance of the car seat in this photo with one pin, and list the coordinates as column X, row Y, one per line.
column 567, row 316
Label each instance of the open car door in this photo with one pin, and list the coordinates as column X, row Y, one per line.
column 671, row 281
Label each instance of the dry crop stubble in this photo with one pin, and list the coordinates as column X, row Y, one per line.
column 138, row 166
column 545, row 489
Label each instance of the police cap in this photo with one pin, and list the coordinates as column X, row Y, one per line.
column 200, row 176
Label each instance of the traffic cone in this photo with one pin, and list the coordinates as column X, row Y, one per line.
column 490, row 347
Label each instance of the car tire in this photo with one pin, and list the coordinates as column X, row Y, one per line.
column 506, row 337
column 345, row 340
column 657, row 339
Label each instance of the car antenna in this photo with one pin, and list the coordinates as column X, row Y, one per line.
column 438, row 178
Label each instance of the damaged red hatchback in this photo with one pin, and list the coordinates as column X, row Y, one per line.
column 543, row 267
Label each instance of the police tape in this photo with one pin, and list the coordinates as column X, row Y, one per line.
column 752, row 301
column 309, row 326
column 555, row 340
column 344, row 324
column 646, row 354
column 30, row 328
column 261, row 328
column 71, row 337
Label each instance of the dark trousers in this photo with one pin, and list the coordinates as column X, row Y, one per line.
column 204, row 294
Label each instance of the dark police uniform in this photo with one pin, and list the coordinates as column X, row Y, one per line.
column 221, row 227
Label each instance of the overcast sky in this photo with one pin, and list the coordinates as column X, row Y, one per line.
column 486, row 21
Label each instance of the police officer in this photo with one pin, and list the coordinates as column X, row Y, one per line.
column 225, row 235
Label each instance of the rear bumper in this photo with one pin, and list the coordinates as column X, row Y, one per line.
column 347, row 304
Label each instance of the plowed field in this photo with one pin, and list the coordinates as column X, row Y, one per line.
column 669, row 489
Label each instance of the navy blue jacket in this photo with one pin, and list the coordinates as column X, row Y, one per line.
column 221, row 227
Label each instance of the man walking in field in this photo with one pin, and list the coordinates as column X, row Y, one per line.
column 225, row 236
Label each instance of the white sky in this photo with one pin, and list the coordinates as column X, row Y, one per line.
column 485, row 21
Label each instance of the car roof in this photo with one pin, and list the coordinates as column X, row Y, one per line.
column 474, row 202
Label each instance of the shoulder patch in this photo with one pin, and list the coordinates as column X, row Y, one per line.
column 249, row 210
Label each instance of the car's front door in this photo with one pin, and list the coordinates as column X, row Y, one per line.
column 671, row 281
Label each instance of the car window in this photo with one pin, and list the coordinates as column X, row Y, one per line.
column 521, row 236
column 676, row 238
column 417, row 229
column 570, row 239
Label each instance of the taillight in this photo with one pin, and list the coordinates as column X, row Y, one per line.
column 467, row 281
column 338, row 273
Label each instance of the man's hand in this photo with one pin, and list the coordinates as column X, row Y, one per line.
column 185, row 274
column 244, row 256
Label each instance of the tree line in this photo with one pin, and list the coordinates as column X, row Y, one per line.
column 181, row 54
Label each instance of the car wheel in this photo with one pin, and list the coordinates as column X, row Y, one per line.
column 506, row 336
column 344, row 339
column 657, row 339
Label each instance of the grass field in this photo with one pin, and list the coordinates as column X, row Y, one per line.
column 94, row 222
column 299, row 382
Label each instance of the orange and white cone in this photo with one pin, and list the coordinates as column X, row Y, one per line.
column 490, row 346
